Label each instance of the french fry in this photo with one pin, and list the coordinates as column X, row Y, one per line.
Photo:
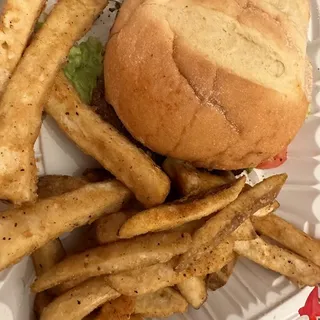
column 267, row 209
column 146, row 280
column 189, row 180
column 26, row 229
column 115, row 257
column 162, row 303
column 107, row 227
column 211, row 261
column 119, row 309
column 96, row 175
column 214, row 258
column 136, row 317
column 218, row 227
column 41, row 301
column 192, row 226
column 18, row 19
column 53, row 252
column 150, row 279
column 172, row 215
column 92, row 316
column 279, row 260
column 66, row 286
column 47, row 256
column 99, row 139
column 220, row 278
column 20, row 114
column 55, row 185
column 80, row 301
column 289, row 236
column 194, row 290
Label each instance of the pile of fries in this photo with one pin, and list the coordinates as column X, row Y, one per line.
column 140, row 256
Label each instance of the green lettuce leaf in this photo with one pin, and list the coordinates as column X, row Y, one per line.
column 84, row 66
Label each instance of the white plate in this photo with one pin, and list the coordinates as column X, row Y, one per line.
column 252, row 292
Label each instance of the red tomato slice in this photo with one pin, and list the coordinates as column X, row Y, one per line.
column 275, row 162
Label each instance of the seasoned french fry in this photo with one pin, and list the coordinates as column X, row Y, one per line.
column 189, row 180
column 66, row 286
column 47, row 256
column 211, row 261
column 26, row 229
column 53, row 252
column 162, row 303
column 107, row 228
column 99, row 139
column 289, row 236
column 116, row 257
column 146, row 280
column 150, row 279
column 18, row 19
column 172, row 215
column 192, row 226
column 96, row 175
column 80, row 301
column 194, row 290
column 214, row 258
column 55, row 185
column 119, row 309
column 136, row 317
column 32, row 78
column 220, row 278
column 267, row 209
column 41, row 301
column 218, row 227
column 279, row 260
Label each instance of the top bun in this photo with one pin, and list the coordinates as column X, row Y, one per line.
column 219, row 83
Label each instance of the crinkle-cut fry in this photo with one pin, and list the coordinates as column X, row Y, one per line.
column 17, row 22
column 220, row 278
column 22, row 102
column 162, row 303
column 80, row 301
column 175, row 214
column 113, row 151
column 279, row 260
column 219, row 226
column 26, row 229
column 189, row 180
column 119, row 309
column 289, row 236
column 115, row 257
column 194, row 290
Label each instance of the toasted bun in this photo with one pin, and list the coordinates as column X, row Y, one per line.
column 219, row 83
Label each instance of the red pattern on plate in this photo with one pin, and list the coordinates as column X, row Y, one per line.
column 312, row 306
